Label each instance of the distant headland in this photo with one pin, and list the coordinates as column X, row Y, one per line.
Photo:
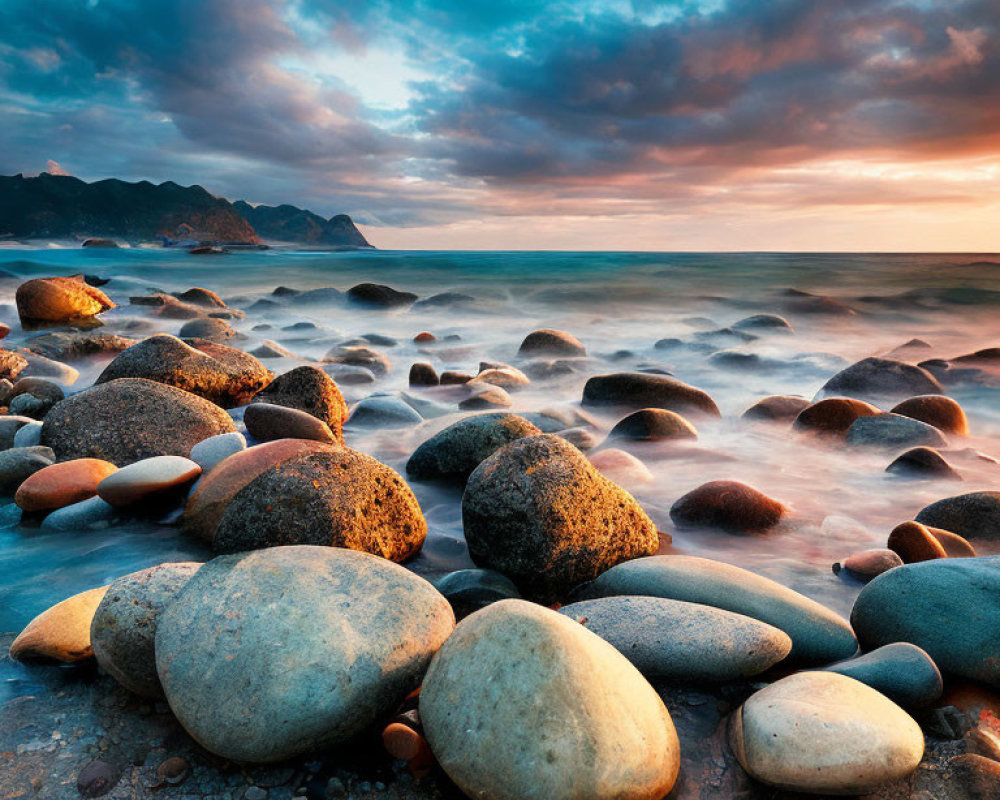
column 61, row 206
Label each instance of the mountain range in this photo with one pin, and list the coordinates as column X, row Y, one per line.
column 62, row 206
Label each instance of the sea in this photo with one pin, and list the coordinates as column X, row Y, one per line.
column 669, row 312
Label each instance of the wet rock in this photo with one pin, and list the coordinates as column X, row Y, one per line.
column 384, row 411
column 324, row 296
column 949, row 607
column 17, row 464
column 680, row 641
column 868, row 564
column 347, row 375
column 485, row 397
column 299, row 492
column 66, row 300
column 311, row 390
column 87, row 515
column 875, row 379
column 127, row 420
column 98, row 777
column 653, row 425
column 901, row 671
column 28, row 435
column 550, row 342
column 453, row 378
column 375, row 295
column 469, row 590
column 818, row 634
column 540, row 513
column 511, row 736
column 9, row 425
column 507, row 378
column 209, row 452
column 422, row 374
column 453, row 453
column 915, row 542
column 825, row 733
column 124, row 627
column 974, row 777
column 891, row 431
column 776, row 408
column 729, row 505
column 266, row 422
column 444, row 300
column 764, row 323
column 61, row 484
column 223, row 375
column 972, row 516
column 621, row 467
column 215, row 330
column 60, row 633
column 201, row 297
column 76, row 345
column 173, row 771
column 145, row 479
column 638, row 390
column 835, row 415
column 923, row 462
column 388, row 624
column 42, row 367
column 942, row 412
column 424, row 337
column 271, row 349
column 581, row 438
column 375, row 362
column 11, row 364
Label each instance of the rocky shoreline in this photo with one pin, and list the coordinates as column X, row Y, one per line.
column 583, row 657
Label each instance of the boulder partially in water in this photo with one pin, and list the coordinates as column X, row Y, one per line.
column 893, row 431
column 562, row 715
column 901, row 671
column 308, row 389
column 453, row 453
column 834, row 415
column 127, row 420
column 346, row 637
column 49, row 300
column 729, row 505
column 938, row 410
column 223, row 375
column 776, row 408
column 60, row 633
column 123, row 630
column 973, row 516
column 923, row 462
column 638, row 390
column 374, row 295
column 551, row 342
column 878, row 379
column 653, row 425
column 539, row 512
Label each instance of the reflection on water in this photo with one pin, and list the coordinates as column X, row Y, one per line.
column 619, row 305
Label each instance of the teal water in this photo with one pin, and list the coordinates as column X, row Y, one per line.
column 619, row 305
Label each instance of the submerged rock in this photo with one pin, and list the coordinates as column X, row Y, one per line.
column 76, row 345
column 375, row 362
column 869, row 564
column 346, row 638
column 422, row 374
column 384, row 411
column 223, row 375
column 60, row 633
column 818, row 634
column 621, row 467
column 453, row 453
column 776, row 408
column 825, row 733
column 130, row 419
column 949, row 607
column 923, row 462
column 764, row 323
column 124, row 627
column 901, row 671
column 639, row 390
column 681, row 641
column 973, row 516
column 375, row 295
column 729, row 505
column 59, row 300
column 653, row 425
column 893, row 431
column 876, row 379
column 540, row 513
column 469, row 590
column 550, row 342
column 562, row 716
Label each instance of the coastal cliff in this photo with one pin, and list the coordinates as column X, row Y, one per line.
column 286, row 223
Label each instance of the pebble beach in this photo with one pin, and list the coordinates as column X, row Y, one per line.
column 288, row 523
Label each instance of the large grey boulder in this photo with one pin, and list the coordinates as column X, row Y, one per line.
column 901, row 671
column 539, row 512
column 949, row 607
column 269, row 654
column 880, row 379
column 522, row 702
column 973, row 516
column 893, row 431
column 453, row 453
column 682, row 641
column 818, row 634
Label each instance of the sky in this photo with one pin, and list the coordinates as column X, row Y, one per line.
column 522, row 124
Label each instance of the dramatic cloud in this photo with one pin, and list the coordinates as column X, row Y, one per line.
column 689, row 119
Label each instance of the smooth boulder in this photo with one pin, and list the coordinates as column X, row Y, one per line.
column 818, row 634
column 938, row 410
column 901, row 671
column 123, row 630
column 266, row 422
column 130, row 419
column 20, row 463
column 972, row 516
column 878, row 379
column 833, row 416
column 522, row 702
column 453, row 453
column 729, row 505
column 950, row 607
column 60, row 633
column 638, row 390
column 893, row 431
column 59, row 300
column 776, row 408
column 681, row 641
column 146, row 479
column 346, row 637
column 824, row 733
column 539, row 512
column 550, row 342
column 62, row 484
column 308, row 389
column 653, row 425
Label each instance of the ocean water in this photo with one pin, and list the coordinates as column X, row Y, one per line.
column 619, row 305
